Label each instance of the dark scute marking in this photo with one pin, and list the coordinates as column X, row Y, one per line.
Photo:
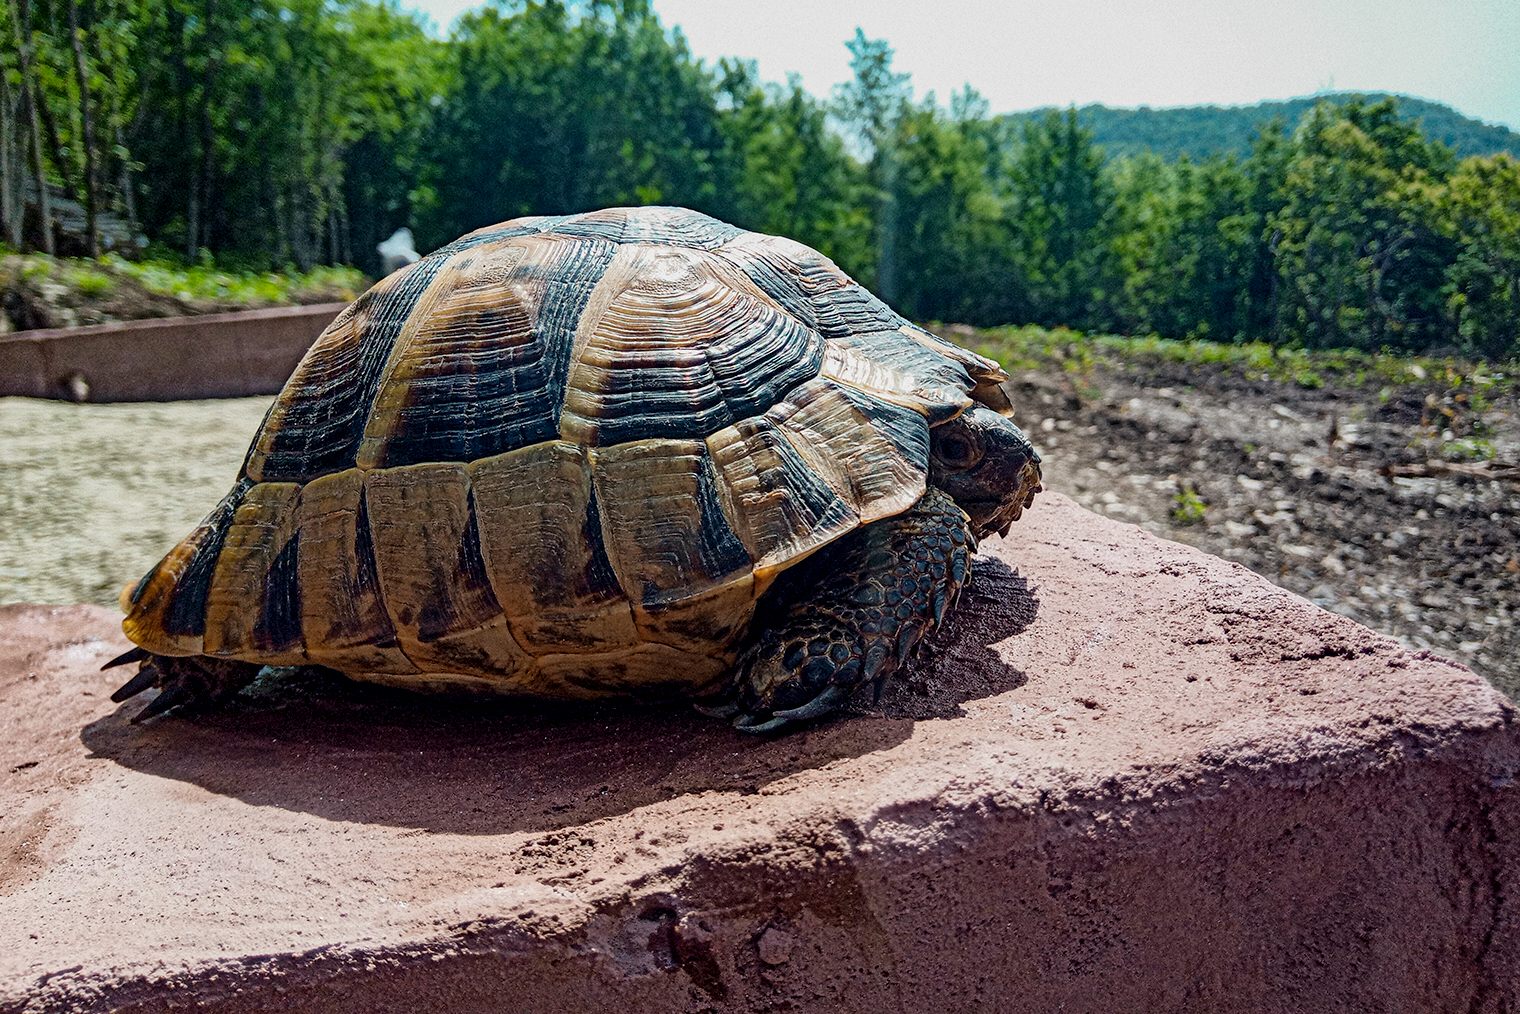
column 363, row 618
column 367, row 571
column 463, row 599
column 597, row 579
column 853, row 310
column 279, row 624
column 471, row 564
column 817, row 504
column 797, row 286
column 142, row 584
column 322, row 426
column 713, row 551
column 721, row 551
column 253, row 446
column 477, row 399
column 895, row 349
column 610, row 230
column 757, row 369
column 904, row 428
column 653, row 414
column 186, row 615
column 567, row 285
column 851, row 316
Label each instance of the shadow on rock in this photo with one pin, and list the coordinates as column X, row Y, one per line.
column 321, row 744
column 958, row 664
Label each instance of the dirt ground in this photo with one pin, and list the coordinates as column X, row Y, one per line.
column 1304, row 486
column 1291, row 481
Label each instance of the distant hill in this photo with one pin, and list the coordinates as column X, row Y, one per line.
column 1206, row 130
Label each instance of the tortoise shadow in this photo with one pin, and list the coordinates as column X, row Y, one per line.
column 358, row 752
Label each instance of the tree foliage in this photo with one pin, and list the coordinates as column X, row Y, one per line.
column 304, row 131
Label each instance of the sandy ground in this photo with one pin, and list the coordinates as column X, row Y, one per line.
column 92, row 495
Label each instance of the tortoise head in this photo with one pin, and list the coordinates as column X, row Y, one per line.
column 988, row 465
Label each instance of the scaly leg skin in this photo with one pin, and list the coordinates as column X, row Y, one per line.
column 851, row 615
column 196, row 683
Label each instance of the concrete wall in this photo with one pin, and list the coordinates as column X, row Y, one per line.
column 221, row 355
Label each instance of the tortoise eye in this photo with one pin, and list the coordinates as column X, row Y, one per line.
column 954, row 450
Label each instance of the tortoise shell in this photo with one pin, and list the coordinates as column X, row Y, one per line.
column 562, row 456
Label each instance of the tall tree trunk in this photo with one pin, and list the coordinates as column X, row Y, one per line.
column 208, row 139
column 180, row 47
column 10, row 172
column 128, row 196
column 20, row 11
column 61, row 160
column 86, row 129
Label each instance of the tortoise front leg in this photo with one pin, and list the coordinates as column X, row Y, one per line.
column 851, row 615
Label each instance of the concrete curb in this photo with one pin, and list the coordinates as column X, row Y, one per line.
column 218, row 355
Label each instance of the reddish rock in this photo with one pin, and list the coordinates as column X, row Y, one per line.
column 1129, row 777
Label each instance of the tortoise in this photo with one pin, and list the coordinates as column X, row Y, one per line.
column 636, row 451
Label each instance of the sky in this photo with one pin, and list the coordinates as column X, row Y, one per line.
column 1023, row 54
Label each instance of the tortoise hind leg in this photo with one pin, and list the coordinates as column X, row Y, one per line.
column 195, row 683
column 851, row 615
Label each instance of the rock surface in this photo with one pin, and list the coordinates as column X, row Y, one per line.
column 1127, row 777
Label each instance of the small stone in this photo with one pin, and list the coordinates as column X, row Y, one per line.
column 775, row 946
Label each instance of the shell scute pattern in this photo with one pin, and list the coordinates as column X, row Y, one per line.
column 563, row 456
column 683, row 345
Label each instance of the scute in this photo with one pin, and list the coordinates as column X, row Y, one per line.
column 483, row 370
column 676, row 343
column 562, row 455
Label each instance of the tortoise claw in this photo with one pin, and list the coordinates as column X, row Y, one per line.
column 168, row 698
column 754, row 723
column 146, row 677
column 728, row 710
column 133, row 654
column 833, row 695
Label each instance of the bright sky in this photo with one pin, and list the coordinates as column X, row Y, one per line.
column 1022, row 54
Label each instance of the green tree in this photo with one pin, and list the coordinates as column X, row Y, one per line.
column 555, row 111
column 1483, row 281
column 951, row 238
column 1059, row 203
column 793, row 175
column 1361, row 255
column 1184, row 244
column 869, row 106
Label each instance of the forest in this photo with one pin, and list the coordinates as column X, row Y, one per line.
column 273, row 132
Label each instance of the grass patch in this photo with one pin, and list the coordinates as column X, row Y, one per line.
column 84, row 280
column 1031, row 347
column 208, row 282
column 1188, row 508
